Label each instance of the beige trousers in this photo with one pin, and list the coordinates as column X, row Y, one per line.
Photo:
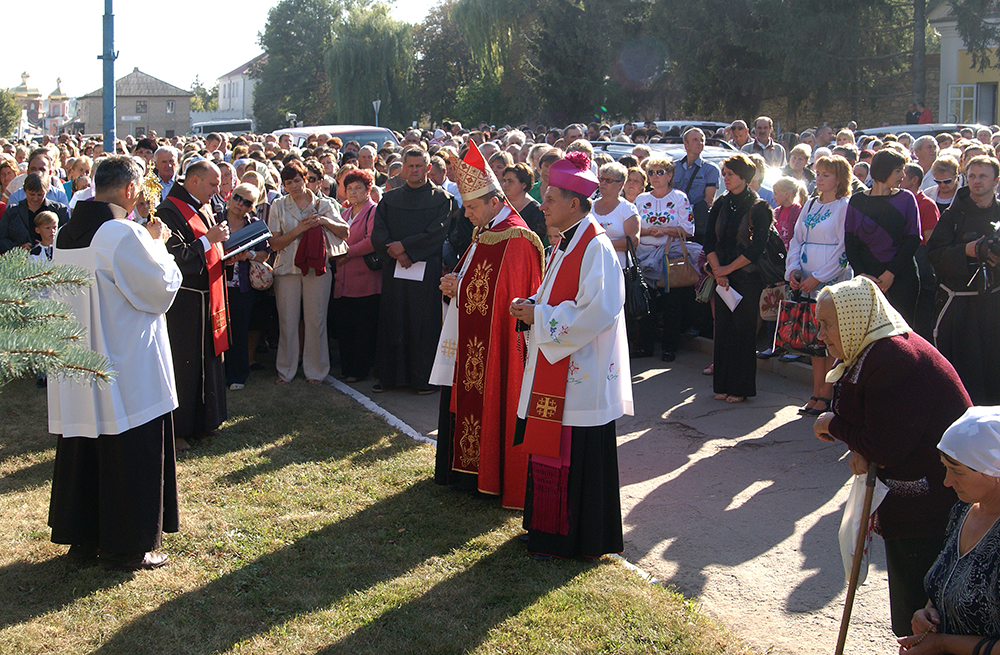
column 312, row 295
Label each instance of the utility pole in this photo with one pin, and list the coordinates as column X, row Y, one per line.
column 109, row 55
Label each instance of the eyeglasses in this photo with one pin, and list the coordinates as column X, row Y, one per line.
column 313, row 179
column 243, row 201
column 659, row 172
column 948, row 181
column 610, row 180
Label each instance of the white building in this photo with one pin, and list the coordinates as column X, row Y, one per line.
column 967, row 95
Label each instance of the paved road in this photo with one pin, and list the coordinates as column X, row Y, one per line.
column 738, row 505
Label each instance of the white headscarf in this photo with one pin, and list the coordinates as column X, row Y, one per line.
column 974, row 440
column 863, row 316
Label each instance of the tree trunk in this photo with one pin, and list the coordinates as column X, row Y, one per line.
column 919, row 50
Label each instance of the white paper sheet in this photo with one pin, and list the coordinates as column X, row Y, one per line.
column 730, row 296
column 414, row 272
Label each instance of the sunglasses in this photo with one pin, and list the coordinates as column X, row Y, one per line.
column 659, row 172
column 948, row 181
column 243, row 201
column 609, row 180
column 313, row 179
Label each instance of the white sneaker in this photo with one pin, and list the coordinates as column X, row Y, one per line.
column 236, row 386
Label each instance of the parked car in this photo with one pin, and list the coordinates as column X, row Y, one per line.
column 716, row 150
column 708, row 127
column 361, row 133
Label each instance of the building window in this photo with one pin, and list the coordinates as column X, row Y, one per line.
column 170, row 106
column 140, row 106
column 961, row 103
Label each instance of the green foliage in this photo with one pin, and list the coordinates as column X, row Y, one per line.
column 371, row 58
column 483, row 100
column 980, row 35
column 443, row 63
column 204, row 99
column 292, row 77
column 38, row 334
column 10, row 112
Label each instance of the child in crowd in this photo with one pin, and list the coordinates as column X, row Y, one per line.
column 46, row 224
column 789, row 196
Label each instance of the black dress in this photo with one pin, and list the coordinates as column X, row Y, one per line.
column 738, row 225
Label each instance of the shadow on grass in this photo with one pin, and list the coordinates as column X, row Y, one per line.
column 373, row 546
column 26, row 478
column 34, row 589
column 457, row 614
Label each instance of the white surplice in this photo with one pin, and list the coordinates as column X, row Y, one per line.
column 135, row 280
column 590, row 330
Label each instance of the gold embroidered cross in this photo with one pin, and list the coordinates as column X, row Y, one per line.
column 448, row 348
column 546, row 407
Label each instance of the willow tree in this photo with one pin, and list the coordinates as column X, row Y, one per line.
column 370, row 59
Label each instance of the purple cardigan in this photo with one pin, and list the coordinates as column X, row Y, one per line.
column 354, row 279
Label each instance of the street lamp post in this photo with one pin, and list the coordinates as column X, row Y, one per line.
column 108, row 100
column 376, row 104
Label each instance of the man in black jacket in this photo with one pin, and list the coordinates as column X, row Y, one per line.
column 17, row 227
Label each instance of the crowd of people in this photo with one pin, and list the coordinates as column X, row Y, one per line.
column 524, row 234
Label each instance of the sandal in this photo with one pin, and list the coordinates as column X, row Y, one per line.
column 735, row 399
column 721, row 396
column 804, row 410
column 280, row 381
column 816, row 412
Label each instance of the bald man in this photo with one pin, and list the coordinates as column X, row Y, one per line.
column 197, row 321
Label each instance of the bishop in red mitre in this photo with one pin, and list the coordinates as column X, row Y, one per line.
column 480, row 356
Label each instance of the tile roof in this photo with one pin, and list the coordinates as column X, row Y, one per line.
column 139, row 84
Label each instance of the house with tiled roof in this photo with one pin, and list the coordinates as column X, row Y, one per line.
column 142, row 103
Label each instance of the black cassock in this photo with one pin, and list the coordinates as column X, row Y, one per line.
column 967, row 324
column 200, row 373
column 409, row 322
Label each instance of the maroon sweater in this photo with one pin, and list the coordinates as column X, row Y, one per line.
column 892, row 407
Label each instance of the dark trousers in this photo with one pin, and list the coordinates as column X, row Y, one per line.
column 675, row 307
column 118, row 491
column 736, row 338
column 357, row 329
column 907, row 562
column 238, row 355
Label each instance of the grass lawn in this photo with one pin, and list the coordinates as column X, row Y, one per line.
column 310, row 526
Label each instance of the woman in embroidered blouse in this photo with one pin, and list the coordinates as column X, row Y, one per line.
column 895, row 396
column 615, row 214
column 357, row 288
column 816, row 256
column 883, row 233
column 291, row 216
column 665, row 219
column 963, row 586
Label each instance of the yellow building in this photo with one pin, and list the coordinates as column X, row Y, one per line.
column 967, row 95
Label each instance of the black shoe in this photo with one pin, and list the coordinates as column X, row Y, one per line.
column 378, row 388
column 766, row 354
column 668, row 356
column 692, row 332
column 636, row 354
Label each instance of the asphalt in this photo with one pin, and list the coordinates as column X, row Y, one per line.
column 737, row 505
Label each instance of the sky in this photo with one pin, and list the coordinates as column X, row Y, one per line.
column 223, row 38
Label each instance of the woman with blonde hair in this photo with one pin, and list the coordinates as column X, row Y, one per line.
column 817, row 257
column 616, row 215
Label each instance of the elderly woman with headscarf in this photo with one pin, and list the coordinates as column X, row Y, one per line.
column 963, row 586
column 894, row 396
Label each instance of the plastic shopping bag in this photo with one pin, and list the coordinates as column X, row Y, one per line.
column 853, row 521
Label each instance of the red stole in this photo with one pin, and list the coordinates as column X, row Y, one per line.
column 543, row 421
column 216, row 279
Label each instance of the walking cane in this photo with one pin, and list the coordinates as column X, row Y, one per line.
column 859, row 552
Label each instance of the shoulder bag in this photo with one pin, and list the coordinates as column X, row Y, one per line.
column 636, row 291
column 679, row 272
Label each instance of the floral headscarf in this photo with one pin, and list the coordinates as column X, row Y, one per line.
column 863, row 316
